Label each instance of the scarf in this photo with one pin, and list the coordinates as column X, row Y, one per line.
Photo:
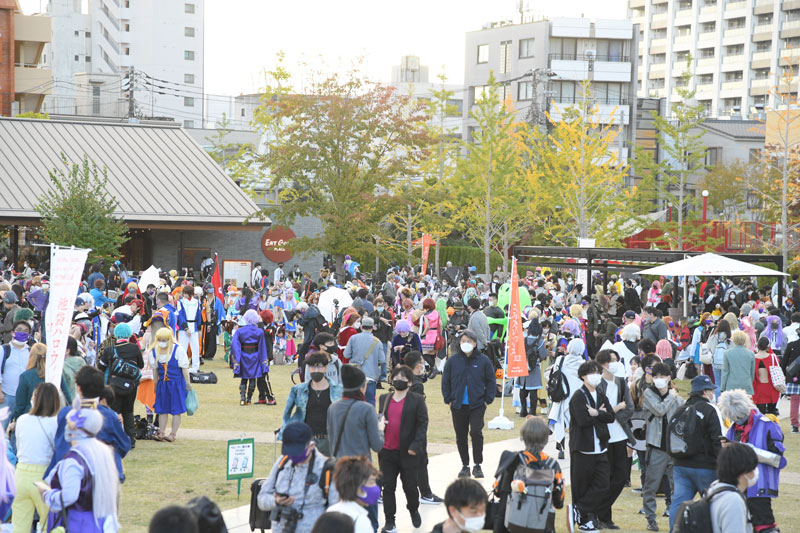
column 744, row 430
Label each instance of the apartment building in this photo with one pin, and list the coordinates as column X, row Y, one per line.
column 539, row 66
column 162, row 41
column 737, row 49
column 24, row 82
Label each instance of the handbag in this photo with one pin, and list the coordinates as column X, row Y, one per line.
column 776, row 375
column 439, row 343
column 191, row 402
column 706, row 355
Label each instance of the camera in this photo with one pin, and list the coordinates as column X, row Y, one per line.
column 289, row 515
column 336, row 302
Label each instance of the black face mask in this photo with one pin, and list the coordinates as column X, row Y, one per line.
column 399, row 384
column 317, row 376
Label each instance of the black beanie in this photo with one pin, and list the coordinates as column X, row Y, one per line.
column 353, row 378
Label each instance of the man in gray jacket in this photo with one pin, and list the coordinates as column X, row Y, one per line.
column 478, row 323
column 366, row 351
column 653, row 327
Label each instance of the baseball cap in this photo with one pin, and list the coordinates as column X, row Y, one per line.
column 630, row 314
column 367, row 322
column 296, row 436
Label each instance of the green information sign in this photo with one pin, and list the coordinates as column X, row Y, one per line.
column 241, row 456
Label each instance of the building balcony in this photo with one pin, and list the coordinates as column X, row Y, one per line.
column 658, row 43
column 706, row 88
column 789, row 5
column 32, row 80
column 656, row 72
column 735, row 32
column 762, row 55
column 614, row 111
column 764, row 6
column 636, row 3
column 732, row 60
column 707, row 62
column 705, row 10
column 605, row 68
column 657, row 93
column 736, row 85
column 32, row 28
column 732, row 7
column 760, row 82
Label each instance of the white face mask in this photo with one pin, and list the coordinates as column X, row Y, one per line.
column 473, row 524
column 753, row 480
column 467, row 347
column 616, row 368
column 660, row 383
column 357, row 325
column 594, row 379
column 163, row 344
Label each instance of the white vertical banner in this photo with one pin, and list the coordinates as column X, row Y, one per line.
column 66, row 268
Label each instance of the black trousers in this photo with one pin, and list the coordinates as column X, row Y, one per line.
column 620, row 470
column 761, row 511
column 392, row 463
column 589, row 476
column 768, row 408
column 123, row 404
column 247, row 388
column 469, row 421
column 423, row 482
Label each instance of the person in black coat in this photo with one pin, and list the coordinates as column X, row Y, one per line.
column 404, row 442
column 590, row 413
column 127, row 349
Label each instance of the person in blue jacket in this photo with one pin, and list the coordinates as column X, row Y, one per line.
column 468, row 386
column 89, row 384
column 162, row 302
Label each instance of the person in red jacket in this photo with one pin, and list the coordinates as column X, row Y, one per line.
column 349, row 328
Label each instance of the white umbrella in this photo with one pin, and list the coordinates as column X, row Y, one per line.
column 326, row 305
column 710, row 265
column 149, row 276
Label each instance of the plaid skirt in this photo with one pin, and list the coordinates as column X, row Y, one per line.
column 792, row 388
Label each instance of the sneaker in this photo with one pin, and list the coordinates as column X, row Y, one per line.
column 606, row 525
column 636, row 491
column 588, row 526
column 795, row 429
column 389, row 527
column 261, row 402
column 416, row 519
column 272, row 402
column 572, row 517
column 464, row 471
column 652, row 525
column 380, row 499
column 430, row 499
column 666, row 512
column 477, row 473
column 641, row 511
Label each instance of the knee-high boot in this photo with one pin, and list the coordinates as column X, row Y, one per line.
column 243, row 392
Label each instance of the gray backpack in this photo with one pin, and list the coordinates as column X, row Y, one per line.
column 531, row 511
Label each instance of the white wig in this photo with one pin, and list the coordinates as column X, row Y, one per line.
column 630, row 333
column 736, row 405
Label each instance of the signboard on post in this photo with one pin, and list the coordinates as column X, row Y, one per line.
column 241, row 456
column 237, row 272
column 66, row 267
column 275, row 243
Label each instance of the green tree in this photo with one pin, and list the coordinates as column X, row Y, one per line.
column 334, row 153
column 487, row 186
column 233, row 158
column 580, row 179
column 681, row 138
column 79, row 211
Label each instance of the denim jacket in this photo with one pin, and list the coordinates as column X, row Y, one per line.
column 298, row 399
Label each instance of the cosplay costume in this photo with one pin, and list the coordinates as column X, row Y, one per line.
column 190, row 317
column 250, row 360
column 211, row 317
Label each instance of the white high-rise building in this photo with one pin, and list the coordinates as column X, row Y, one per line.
column 162, row 42
column 737, row 46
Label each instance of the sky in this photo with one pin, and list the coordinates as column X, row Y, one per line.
column 243, row 36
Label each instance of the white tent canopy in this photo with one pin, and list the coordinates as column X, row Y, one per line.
column 710, row 265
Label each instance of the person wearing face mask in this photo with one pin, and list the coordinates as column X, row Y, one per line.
column 404, row 341
column 465, row 501
column 653, row 327
column 350, row 326
column 468, row 386
column 250, row 361
column 16, row 355
column 615, row 387
column 693, row 474
column 661, row 401
column 293, row 482
column 764, row 435
column 737, row 469
column 384, row 326
column 325, row 343
column 172, row 373
column 354, row 478
column 590, row 414
column 309, row 401
column 404, row 443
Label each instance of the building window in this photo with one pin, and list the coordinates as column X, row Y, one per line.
column 243, row 112
column 563, row 48
column 683, row 31
column 480, row 91
column 505, row 57
column 188, row 8
column 88, row 59
column 188, row 123
column 525, row 90
column 483, row 53
column 188, row 78
column 526, row 47
column 764, row 46
column 77, row 33
column 760, row 73
column 706, row 53
column 127, row 51
column 734, row 50
column 188, row 55
column 713, row 156
column 705, row 79
column 188, row 32
column 734, row 24
column 564, row 92
column 708, row 27
column 734, row 76
column 95, row 99
column 88, row 34
column 76, row 58
column 188, row 101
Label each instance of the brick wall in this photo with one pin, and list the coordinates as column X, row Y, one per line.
column 245, row 245
column 6, row 56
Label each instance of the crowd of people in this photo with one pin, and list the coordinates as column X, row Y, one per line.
column 603, row 363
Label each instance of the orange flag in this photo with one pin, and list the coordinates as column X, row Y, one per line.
column 517, row 361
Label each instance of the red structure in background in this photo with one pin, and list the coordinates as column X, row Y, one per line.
column 7, row 9
column 732, row 237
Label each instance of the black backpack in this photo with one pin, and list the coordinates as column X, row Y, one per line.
column 694, row 516
column 557, row 383
column 683, row 440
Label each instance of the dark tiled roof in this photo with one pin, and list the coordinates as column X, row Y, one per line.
column 737, row 129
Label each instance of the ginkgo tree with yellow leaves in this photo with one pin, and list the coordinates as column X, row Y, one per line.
column 579, row 178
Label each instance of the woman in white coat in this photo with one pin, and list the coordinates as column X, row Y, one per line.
column 559, row 411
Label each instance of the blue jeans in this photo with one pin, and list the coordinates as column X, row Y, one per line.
column 370, row 394
column 383, row 365
column 717, row 380
column 372, row 512
column 687, row 482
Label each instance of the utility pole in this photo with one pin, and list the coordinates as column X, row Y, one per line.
column 131, row 89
